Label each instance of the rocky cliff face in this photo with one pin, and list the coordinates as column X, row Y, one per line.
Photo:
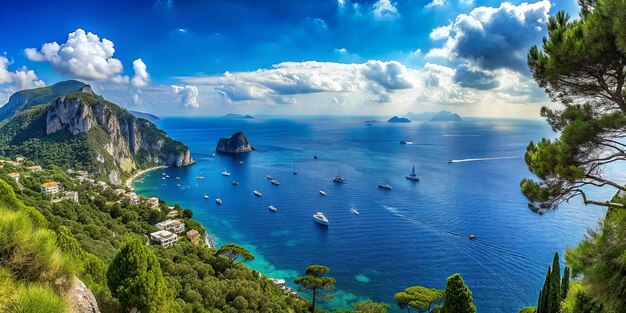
column 237, row 143
column 128, row 142
column 81, row 299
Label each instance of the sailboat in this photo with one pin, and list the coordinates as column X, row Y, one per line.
column 294, row 169
column 412, row 176
column 339, row 179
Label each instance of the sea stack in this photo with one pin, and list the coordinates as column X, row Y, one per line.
column 237, row 143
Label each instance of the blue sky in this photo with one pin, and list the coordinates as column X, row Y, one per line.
column 283, row 57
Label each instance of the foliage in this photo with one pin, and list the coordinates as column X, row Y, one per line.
column 419, row 298
column 371, row 307
column 528, row 309
column 316, row 283
column 457, row 297
column 235, row 254
column 135, row 278
column 37, row 299
column 601, row 259
column 579, row 301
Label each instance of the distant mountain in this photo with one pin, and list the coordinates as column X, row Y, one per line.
column 434, row 116
column 82, row 130
column 233, row 115
column 396, row 119
column 26, row 99
column 150, row 117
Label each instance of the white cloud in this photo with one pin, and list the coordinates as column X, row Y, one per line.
column 141, row 77
column 187, row 95
column 441, row 32
column 436, row 3
column 84, row 56
column 493, row 38
column 22, row 78
column 384, row 10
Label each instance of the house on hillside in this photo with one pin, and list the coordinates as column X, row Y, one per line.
column 153, row 202
column 35, row 169
column 19, row 159
column 164, row 238
column 50, row 188
column 72, row 196
column 193, row 236
column 172, row 214
column 15, row 176
column 132, row 197
column 174, row 226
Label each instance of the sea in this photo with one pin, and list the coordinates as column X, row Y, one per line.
column 414, row 234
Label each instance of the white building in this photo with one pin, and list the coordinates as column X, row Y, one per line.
column 72, row 196
column 164, row 238
column 153, row 202
column 50, row 188
column 15, row 176
column 174, row 226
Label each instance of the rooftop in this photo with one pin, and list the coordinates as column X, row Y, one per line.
column 51, row 184
column 163, row 235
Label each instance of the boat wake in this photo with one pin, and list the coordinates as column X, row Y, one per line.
column 482, row 159
column 487, row 244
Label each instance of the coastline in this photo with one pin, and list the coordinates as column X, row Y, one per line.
column 130, row 180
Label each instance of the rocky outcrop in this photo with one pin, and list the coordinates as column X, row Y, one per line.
column 396, row 119
column 81, row 299
column 237, row 143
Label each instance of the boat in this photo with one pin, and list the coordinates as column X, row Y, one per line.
column 200, row 177
column 450, row 161
column 269, row 177
column 294, row 169
column 178, row 185
column 218, row 201
column 406, row 142
column 177, row 177
column 163, row 173
column 339, row 179
column 322, row 192
column 272, row 208
column 167, row 176
column 275, row 182
column 240, row 162
column 315, row 155
column 163, row 178
column 225, row 173
column 235, row 182
column 257, row 193
column 213, row 155
column 412, row 176
column 354, row 210
column 384, row 186
column 206, row 196
column 320, row 218
column 471, row 236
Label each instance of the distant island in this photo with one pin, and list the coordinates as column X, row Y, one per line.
column 237, row 116
column 150, row 117
column 441, row 116
column 396, row 119
column 237, row 143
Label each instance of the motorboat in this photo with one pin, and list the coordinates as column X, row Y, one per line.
column 354, row 210
column 322, row 192
column 275, row 182
column 225, row 173
column 257, row 193
column 240, row 162
column 178, row 185
column 406, row 142
column 272, row 208
column 200, row 177
column 471, row 236
column 218, row 201
column 269, row 177
column 412, row 176
column 320, row 218
column 206, row 196
column 235, row 182
column 384, row 186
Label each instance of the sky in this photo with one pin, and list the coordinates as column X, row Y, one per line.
column 283, row 57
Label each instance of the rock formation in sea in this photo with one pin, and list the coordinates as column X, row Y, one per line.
column 396, row 119
column 237, row 143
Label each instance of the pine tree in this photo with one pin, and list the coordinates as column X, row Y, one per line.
column 135, row 278
column 458, row 297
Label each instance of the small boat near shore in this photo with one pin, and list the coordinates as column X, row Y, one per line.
column 272, row 208
column 269, row 177
column 275, row 182
column 206, row 197
column 257, row 193
column 322, row 192
column 225, row 173
column 471, row 236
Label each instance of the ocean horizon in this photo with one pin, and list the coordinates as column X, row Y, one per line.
column 414, row 234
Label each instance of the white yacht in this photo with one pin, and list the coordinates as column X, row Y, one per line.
column 269, row 177
column 354, row 210
column 225, row 173
column 272, row 208
column 206, row 197
column 200, row 177
column 412, row 176
column 257, row 193
column 320, row 218
column 218, row 200
column 275, row 182
column 322, row 192
column 384, row 186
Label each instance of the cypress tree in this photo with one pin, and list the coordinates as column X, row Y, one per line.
column 542, row 306
column 458, row 297
column 554, row 304
column 565, row 283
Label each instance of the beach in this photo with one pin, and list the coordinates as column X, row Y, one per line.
column 129, row 181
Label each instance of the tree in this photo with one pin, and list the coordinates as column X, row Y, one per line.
column 235, row 254
column 316, row 283
column 187, row 214
column 419, row 298
column 565, row 283
column 554, row 289
column 457, row 297
column 582, row 64
column 135, row 278
column 371, row 307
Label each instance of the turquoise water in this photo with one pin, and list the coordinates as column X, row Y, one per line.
column 415, row 234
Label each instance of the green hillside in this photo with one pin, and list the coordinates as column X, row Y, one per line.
column 29, row 98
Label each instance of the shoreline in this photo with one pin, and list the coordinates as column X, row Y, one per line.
column 130, row 180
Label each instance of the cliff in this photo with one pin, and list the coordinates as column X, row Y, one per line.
column 86, row 131
column 237, row 143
